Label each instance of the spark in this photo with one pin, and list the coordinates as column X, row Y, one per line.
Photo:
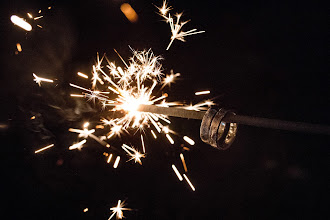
column 170, row 79
column 39, row 26
column 133, row 153
column 202, row 92
column 170, row 139
column 118, row 210
column 183, row 163
column 86, row 210
column 30, row 15
column 176, row 25
column 44, row 148
column 82, row 133
column 82, row 75
column 115, row 165
column 19, row 47
column 109, row 158
column 188, row 181
column 77, row 95
column 143, row 147
column 153, row 134
column 189, row 140
column 36, row 18
column 86, row 124
column 38, row 79
column 164, row 9
column 78, row 145
column 21, row 22
column 177, row 172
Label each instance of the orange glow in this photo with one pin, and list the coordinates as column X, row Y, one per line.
column 129, row 12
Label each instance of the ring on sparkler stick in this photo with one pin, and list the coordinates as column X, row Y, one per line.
column 215, row 132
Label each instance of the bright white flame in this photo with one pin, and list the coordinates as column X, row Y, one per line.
column 21, row 23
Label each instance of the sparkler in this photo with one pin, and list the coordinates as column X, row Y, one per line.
column 175, row 24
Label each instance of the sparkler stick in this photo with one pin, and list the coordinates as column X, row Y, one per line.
column 241, row 119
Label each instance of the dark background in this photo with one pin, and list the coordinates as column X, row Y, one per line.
column 265, row 59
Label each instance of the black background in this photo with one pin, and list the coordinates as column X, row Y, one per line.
column 265, row 59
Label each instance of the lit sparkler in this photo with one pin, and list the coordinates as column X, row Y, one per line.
column 125, row 89
column 175, row 24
